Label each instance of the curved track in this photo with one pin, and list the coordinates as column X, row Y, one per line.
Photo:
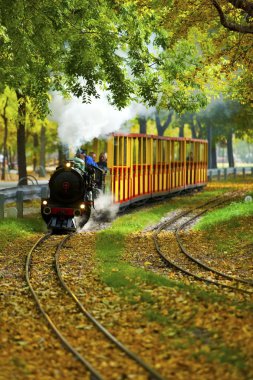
column 219, row 275
column 144, row 370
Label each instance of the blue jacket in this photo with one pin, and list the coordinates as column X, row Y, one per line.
column 89, row 161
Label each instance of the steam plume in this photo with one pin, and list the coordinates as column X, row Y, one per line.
column 79, row 122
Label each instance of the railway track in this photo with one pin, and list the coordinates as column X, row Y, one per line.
column 186, row 263
column 52, row 294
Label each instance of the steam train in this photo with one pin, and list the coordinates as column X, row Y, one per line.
column 140, row 167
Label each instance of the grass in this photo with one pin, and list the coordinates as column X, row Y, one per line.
column 223, row 354
column 231, row 213
column 12, row 229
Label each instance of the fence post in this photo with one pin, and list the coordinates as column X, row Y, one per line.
column 1, row 206
column 234, row 172
column 218, row 175
column 243, row 172
column 19, row 203
column 44, row 192
column 225, row 173
column 210, row 176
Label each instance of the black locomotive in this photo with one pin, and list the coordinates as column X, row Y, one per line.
column 72, row 192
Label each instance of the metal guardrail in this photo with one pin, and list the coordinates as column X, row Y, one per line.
column 19, row 194
column 224, row 172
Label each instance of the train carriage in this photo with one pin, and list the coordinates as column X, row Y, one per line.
column 148, row 166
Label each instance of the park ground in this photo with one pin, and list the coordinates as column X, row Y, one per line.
column 182, row 328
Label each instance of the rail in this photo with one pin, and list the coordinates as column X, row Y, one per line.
column 19, row 194
column 223, row 173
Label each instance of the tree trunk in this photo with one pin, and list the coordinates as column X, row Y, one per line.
column 5, row 153
column 181, row 130
column 162, row 128
column 42, row 171
column 209, row 138
column 21, row 151
column 193, row 130
column 35, row 150
column 143, row 124
column 201, row 130
column 231, row 161
column 214, row 156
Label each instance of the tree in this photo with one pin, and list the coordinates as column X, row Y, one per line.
column 223, row 120
column 242, row 10
column 47, row 46
column 22, row 170
column 5, row 120
column 225, row 54
column 8, row 111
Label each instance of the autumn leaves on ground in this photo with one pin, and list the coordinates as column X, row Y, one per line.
column 183, row 328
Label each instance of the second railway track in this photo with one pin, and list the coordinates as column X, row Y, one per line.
column 102, row 355
column 187, row 263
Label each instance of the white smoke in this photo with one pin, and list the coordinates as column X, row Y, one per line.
column 104, row 212
column 80, row 122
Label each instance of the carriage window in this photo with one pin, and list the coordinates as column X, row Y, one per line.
column 139, row 151
column 135, row 151
column 115, row 150
column 176, row 151
column 164, row 143
column 125, row 152
column 189, row 152
column 159, row 152
column 154, row 151
column 202, row 152
column 120, row 151
column 144, row 160
column 169, row 151
column 197, row 152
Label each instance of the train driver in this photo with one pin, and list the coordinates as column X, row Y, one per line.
column 79, row 159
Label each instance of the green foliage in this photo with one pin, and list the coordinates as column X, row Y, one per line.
column 232, row 212
column 12, row 229
column 63, row 41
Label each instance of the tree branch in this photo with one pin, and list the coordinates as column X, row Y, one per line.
column 229, row 25
column 245, row 5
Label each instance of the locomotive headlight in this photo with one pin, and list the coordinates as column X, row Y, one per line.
column 47, row 210
column 44, row 203
column 68, row 165
column 82, row 206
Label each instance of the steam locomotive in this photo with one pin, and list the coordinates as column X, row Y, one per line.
column 72, row 195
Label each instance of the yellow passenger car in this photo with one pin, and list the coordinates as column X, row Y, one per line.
column 148, row 166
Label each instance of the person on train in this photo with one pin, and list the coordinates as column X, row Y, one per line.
column 79, row 159
column 93, row 156
column 102, row 163
column 90, row 159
